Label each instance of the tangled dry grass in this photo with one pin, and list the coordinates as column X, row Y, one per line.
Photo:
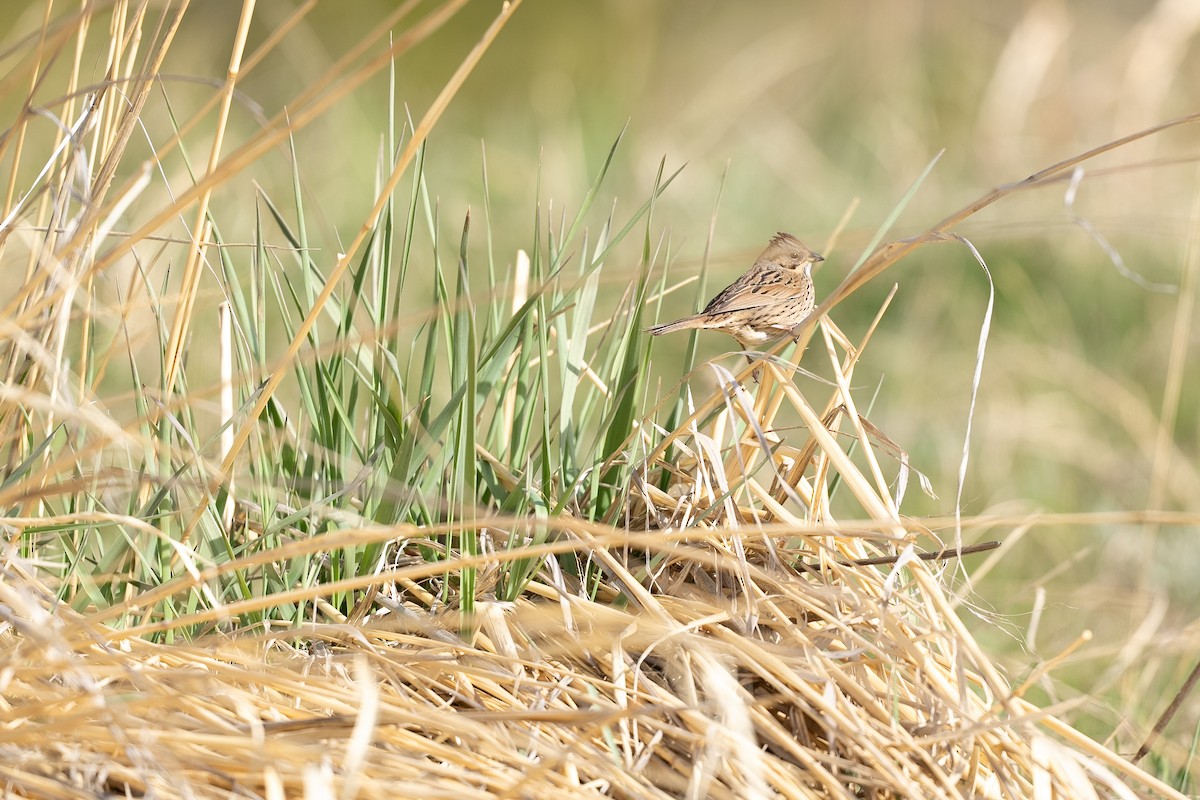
column 742, row 643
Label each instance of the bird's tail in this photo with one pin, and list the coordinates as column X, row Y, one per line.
column 677, row 325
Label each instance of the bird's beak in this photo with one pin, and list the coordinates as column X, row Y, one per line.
column 817, row 257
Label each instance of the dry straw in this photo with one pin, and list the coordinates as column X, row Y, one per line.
column 746, row 656
column 732, row 638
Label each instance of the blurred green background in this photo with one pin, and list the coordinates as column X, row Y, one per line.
column 806, row 110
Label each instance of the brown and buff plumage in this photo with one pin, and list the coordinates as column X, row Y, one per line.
column 766, row 303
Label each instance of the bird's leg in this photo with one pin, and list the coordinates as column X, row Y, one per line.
column 794, row 333
column 756, row 371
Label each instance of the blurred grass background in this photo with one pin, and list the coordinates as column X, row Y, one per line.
column 806, row 111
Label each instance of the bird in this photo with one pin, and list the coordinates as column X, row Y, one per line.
column 766, row 303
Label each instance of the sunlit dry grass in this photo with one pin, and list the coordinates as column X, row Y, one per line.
column 423, row 516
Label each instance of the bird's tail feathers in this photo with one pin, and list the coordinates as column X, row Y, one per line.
column 677, row 325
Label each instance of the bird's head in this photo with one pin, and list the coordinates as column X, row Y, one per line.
column 789, row 252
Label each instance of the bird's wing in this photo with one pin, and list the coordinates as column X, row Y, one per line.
column 765, row 287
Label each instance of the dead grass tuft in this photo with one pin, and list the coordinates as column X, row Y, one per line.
column 746, row 656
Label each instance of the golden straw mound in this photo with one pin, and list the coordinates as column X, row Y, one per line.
column 738, row 644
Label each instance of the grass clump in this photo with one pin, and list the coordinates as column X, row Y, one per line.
column 412, row 518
